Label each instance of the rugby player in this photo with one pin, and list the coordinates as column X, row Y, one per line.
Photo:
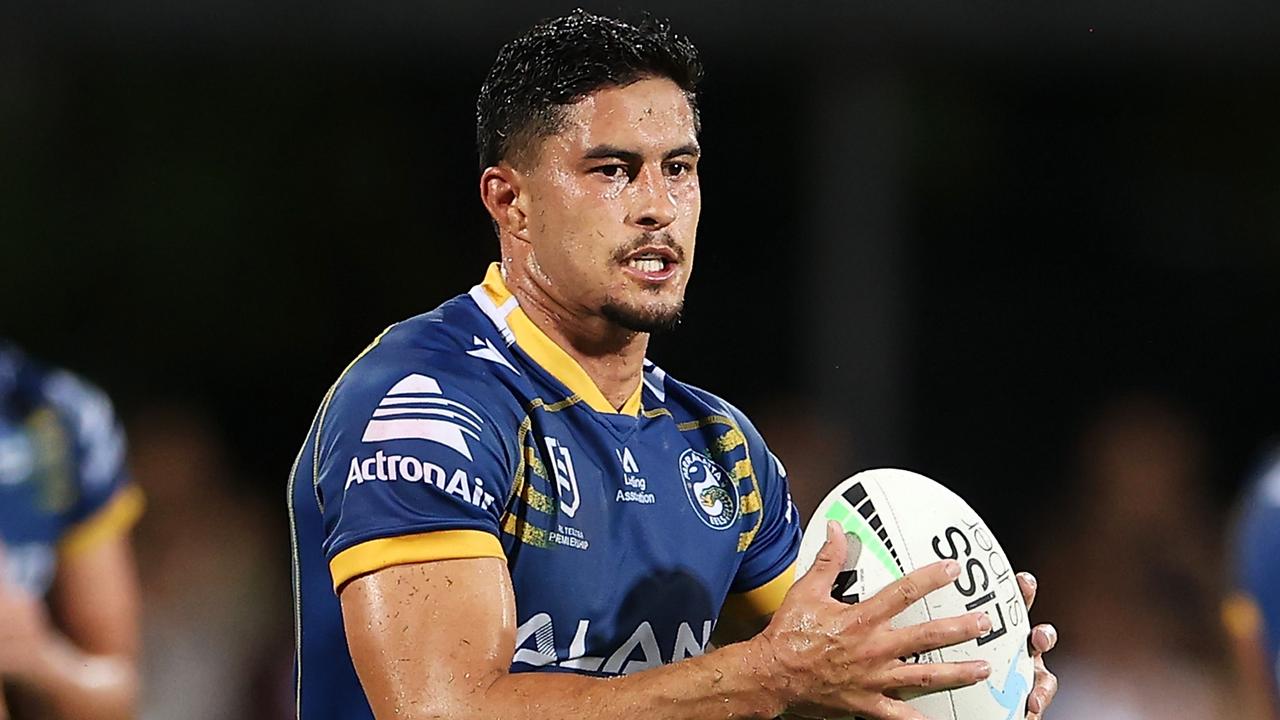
column 503, row 510
column 1252, row 610
column 68, row 590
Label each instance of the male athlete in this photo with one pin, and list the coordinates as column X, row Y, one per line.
column 1252, row 611
column 502, row 510
column 68, row 590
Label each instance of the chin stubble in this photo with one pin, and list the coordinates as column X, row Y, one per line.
column 645, row 321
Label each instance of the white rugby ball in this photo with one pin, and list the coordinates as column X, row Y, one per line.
column 896, row 521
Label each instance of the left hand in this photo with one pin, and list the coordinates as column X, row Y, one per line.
column 1043, row 638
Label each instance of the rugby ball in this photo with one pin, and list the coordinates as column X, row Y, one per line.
column 896, row 521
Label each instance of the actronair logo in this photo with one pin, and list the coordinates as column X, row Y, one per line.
column 384, row 467
column 416, row 409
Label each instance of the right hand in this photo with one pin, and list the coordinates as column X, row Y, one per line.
column 829, row 659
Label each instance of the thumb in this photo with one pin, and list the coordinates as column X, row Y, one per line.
column 830, row 560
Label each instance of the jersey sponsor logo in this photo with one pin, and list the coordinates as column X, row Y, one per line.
column 416, row 409
column 535, row 645
column 486, row 351
column 569, row 536
column 628, row 461
column 713, row 496
column 566, row 479
column 384, row 467
column 636, row 490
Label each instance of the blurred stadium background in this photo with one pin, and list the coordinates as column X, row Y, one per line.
column 1030, row 249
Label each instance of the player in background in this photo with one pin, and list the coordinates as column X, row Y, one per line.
column 68, row 593
column 503, row 510
column 1252, row 610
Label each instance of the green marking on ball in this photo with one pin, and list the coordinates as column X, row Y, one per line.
column 851, row 521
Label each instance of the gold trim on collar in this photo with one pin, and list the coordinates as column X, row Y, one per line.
column 544, row 351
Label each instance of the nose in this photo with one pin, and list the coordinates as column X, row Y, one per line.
column 655, row 204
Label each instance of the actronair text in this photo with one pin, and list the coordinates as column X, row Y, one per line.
column 406, row 468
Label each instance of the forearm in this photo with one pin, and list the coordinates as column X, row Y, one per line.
column 64, row 683
column 726, row 683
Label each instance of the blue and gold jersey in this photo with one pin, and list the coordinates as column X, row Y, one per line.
column 62, row 477
column 467, row 432
column 1254, row 607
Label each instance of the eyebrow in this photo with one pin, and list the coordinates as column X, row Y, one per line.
column 631, row 156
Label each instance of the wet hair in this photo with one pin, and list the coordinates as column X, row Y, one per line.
column 560, row 61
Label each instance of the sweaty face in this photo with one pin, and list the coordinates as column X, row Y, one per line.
column 613, row 203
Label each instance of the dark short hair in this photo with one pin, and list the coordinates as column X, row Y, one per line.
column 560, row 61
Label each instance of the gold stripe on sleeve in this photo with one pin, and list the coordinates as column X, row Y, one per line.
column 115, row 518
column 382, row 553
column 762, row 601
column 1241, row 616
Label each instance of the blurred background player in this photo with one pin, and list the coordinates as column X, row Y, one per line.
column 1252, row 611
column 1148, row 648
column 68, row 591
column 211, row 599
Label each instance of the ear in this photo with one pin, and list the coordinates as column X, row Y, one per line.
column 501, row 191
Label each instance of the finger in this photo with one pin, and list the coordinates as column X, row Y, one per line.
column 938, row 676
column 940, row 633
column 1028, row 584
column 828, row 563
column 898, row 597
column 1043, row 638
column 1045, row 688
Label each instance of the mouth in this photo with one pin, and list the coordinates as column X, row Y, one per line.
column 652, row 264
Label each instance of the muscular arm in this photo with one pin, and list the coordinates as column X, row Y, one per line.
column 435, row 640
column 82, row 664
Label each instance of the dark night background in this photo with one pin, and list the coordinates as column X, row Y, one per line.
column 947, row 235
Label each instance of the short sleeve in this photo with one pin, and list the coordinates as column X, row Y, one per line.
column 765, row 573
column 412, row 467
column 106, row 503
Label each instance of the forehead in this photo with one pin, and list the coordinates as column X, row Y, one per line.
column 650, row 113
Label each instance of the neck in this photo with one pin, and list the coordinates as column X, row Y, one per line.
column 612, row 356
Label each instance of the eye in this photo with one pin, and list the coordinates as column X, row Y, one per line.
column 676, row 169
column 612, row 172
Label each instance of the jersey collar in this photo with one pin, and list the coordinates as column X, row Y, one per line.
column 501, row 306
